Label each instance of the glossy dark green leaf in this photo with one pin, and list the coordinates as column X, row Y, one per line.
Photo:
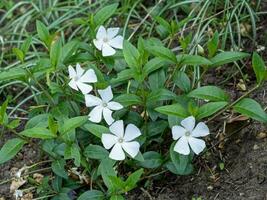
column 174, row 109
column 72, row 123
column 259, row 68
column 211, row 93
column 95, row 152
column 96, row 129
column 152, row 160
column 128, row 100
column 251, row 108
column 58, row 167
column 10, row 149
column 92, row 195
column 227, row 57
column 209, row 109
column 182, row 81
column 38, row 132
column 186, row 59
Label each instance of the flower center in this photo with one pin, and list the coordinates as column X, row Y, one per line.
column 120, row 140
column 187, row 133
column 105, row 40
column 104, row 104
column 76, row 78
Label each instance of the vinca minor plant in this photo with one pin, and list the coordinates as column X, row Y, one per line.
column 105, row 111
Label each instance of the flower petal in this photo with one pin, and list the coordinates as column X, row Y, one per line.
column 131, row 132
column 107, row 50
column 112, row 32
column 132, row 148
column 114, row 105
column 117, row 152
column 108, row 140
column 89, row 76
column 106, row 94
column 116, row 42
column 84, row 87
column 91, row 100
column 197, row 145
column 72, row 72
column 177, row 132
column 188, row 123
column 79, row 70
column 98, row 43
column 73, row 85
column 201, row 130
column 96, row 114
column 117, row 128
column 101, row 33
column 182, row 146
column 108, row 116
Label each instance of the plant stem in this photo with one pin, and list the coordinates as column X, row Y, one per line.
column 232, row 104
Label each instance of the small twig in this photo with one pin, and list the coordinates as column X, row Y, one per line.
column 147, row 193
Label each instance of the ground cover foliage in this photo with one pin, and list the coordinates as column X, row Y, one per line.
column 113, row 94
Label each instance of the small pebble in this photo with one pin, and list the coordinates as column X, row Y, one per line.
column 256, row 147
column 261, row 135
column 210, row 188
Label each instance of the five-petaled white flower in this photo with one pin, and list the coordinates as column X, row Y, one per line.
column 103, row 105
column 188, row 135
column 18, row 194
column 79, row 78
column 107, row 40
column 121, row 141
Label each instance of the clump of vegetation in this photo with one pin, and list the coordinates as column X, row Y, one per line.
column 135, row 105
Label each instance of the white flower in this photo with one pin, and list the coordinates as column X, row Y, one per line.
column 188, row 135
column 103, row 105
column 79, row 78
column 121, row 141
column 106, row 40
column 18, row 194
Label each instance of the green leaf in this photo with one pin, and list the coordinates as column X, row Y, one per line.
column 210, row 108
column 20, row 55
column 95, row 152
column 104, row 13
column 174, row 109
column 69, row 49
column 186, row 59
column 211, row 93
column 55, row 53
column 92, row 195
column 131, row 55
column 72, row 123
column 58, row 167
column 251, row 108
column 3, row 112
column 160, row 95
column 13, row 73
column 182, row 81
column 38, row 132
column 227, row 57
column 10, row 149
column 106, row 170
column 161, row 52
column 43, row 32
column 128, row 100
column 213, row 44
column 96, row 129
column 153, row 65
column 116, row 197
column 26, row 45
column 75, row 154
column 259, row 68
column 181, row 163
column 152, row 160
column 132, row 180
column 40, row 120
column 123, row 76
